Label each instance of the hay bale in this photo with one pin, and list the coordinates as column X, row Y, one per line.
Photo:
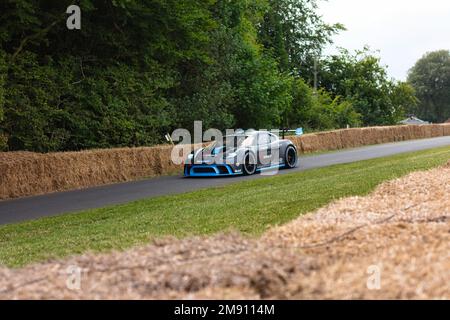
column 297, row 141
column 428, row 131
column 351, row 138
column 370, row 136
column 322, row 141
column 309, row 143
column 389, row 135
column 445, row 129
column 330, row 140
column 398, row 133
column 24, row 174
column 405, row 132
column 435, row 130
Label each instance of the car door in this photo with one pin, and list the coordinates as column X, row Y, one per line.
column 275, row 149
column 264, row 150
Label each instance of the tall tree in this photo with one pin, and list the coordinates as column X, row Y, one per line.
column 430, row 77
column 362, row 79
column 3, row 68
column 104, row 85
column 296, row 34
column 241, row 85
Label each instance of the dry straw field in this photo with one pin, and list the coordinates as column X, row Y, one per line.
column 398, row 235
column 27, row 173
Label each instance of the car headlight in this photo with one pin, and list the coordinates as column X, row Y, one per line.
column 190, row 156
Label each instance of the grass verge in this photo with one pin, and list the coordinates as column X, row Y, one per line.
column 249, row 207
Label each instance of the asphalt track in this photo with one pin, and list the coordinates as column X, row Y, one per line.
column 29, row 208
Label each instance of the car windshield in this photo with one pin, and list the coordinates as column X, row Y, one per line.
column 238, row 141
column 234, row 141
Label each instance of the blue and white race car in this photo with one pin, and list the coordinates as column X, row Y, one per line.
column 242, row 154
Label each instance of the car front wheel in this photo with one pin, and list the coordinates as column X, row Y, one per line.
column 291, row 157
column 249, row 165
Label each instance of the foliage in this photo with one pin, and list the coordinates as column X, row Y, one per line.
column 361, row 79
column 139, row 69
column 319, row 110
column 241, row 85
column 295, row 33
column 104, row 85
column 430, row 77
column 3, row 68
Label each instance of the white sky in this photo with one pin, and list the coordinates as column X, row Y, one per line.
column 401, row 30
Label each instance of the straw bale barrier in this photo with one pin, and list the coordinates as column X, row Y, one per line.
column 29, row 173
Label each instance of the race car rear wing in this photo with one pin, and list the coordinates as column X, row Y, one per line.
column 297, row 132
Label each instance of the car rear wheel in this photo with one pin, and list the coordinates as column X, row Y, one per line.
column 249, row 165
column 291, row 157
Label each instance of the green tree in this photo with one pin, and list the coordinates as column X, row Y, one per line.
column 241, row 85
column 104, row 85
column 3, row 68
column 430, row 77
column 362, row 79
column 319, row 110
column 295, row 33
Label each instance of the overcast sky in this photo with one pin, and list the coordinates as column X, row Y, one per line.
column 402, row 30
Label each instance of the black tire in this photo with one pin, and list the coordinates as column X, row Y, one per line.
column 249, row 165
column 290, row 157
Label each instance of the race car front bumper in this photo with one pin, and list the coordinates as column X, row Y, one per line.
column 211, row 170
